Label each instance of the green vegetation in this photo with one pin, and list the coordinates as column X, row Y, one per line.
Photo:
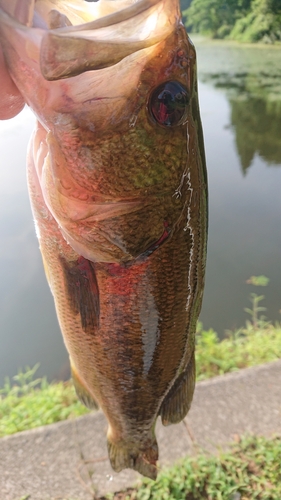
column 251, row 470
column 262, row 22
column 31, row 403
column 256, row 343
column 243, row 20
column 215, row 17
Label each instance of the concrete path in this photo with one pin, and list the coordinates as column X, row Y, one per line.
column 68, row 460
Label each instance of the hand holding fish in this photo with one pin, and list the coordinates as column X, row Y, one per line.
column 11, row 100
column 118, row 187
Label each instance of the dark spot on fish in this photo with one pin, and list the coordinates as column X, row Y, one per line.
column 168, row 104
column 83, row 291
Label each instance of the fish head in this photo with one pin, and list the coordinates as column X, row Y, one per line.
column 113, row 85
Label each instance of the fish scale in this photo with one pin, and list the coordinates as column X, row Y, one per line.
column 107, row 156
column 118, row 188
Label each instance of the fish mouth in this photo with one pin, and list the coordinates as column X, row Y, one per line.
column 70, row 46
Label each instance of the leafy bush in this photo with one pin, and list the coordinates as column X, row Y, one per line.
column 243, row 20
column 256, row 343
column 263, row 23
column 31, row 403
column 214, row 17
column 246, row 347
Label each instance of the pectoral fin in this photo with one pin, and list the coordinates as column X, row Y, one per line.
column 83, row 292
column 178, row 400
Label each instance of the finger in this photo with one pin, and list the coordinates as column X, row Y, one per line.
column 11, row 100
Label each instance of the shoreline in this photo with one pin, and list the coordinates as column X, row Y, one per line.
column 42, row 464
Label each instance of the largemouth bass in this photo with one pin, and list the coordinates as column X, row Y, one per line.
column 118, row 188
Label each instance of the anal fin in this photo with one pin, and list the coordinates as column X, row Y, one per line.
column 178, row 400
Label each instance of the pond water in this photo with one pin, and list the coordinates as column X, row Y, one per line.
column 241, row 113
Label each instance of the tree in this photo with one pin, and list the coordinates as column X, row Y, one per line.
column 245, row 20
column 215, row 17
column 263, row 22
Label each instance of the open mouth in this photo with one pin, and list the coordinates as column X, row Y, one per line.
column 81, row 36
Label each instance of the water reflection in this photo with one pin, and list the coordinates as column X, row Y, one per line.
column 250, row 77
column 29, row 331
column 241, row 111
column 257, row 126
column 244, row 228
column 255, row 114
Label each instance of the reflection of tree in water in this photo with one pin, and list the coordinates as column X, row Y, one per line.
column 250, row 76
column 257, row 123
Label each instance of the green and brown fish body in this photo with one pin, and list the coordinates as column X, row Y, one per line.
column 117, row 182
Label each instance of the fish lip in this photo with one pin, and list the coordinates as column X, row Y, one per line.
column 68, row 51
column 71, row 50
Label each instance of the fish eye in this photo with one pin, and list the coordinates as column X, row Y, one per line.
column 168, row 104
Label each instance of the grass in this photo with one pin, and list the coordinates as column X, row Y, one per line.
column 33, row 402
column 257, row 343
column 249, row 471
column 30, row 402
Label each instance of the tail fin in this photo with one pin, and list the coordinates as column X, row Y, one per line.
column 134, row 456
